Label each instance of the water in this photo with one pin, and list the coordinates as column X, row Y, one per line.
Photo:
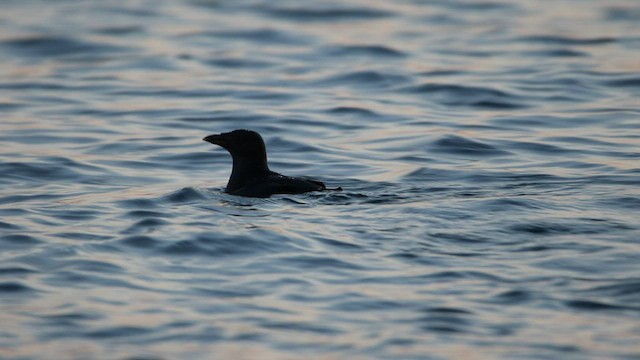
column 488, row 151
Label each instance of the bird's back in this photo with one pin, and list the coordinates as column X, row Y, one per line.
column 275, row 183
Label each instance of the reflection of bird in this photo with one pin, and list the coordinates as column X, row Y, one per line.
column 251, row 175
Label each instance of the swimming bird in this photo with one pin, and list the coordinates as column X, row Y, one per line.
column 250, row 175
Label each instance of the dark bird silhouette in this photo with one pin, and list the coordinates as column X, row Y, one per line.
column 251, row 175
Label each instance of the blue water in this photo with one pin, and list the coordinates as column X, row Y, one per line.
column 489, row 153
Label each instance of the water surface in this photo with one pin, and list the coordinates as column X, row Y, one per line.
column 488, row 151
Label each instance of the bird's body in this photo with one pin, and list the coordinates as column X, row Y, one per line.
column 250, row 175
column 275, row 183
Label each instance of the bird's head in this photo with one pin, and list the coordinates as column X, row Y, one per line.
column 245, row 144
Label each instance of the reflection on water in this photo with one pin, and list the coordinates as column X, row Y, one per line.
column 488, row 154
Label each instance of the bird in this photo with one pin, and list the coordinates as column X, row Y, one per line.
column 251, row 176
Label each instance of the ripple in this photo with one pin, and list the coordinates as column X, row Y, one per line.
column 71, row 320
column 513, row 297
column 538, row 147
column 218, row 245
column 147, row 213
column 19, row 240
column 34, row 171
column 258, row 36
column 238, row 63
column 8, row 271
column 315, row 262
column 456, row 95
column 562, row 40
column 476, row 5
column 510, row 204
column 12, row 199
column 380, row 51
column 595, row 306
column 446, row 321
column 140, row 241
column 622, row 202
column 146, row 225
column 452, row 144
column 13, row 287
column 581, row 140
column 625, row 289
column 347, row 110
column 137, row 203
column 340, row 244
column 326, row 13
column 154, row 93
column 83, row 279
column 367, row 305
column 83, row 236
column 71, row 215
column 544, row 121
column 184, row 195
column 44, row 46
column 50, row 139
column 50, row 169
column 365, row 78
column 10, row 106
column 630, row 81
column 8, row 226
column 34, row 85
column 118, row 332
column 228, row 294
column 577, row 226
column 302, row 327
column 94, row 266
column 270, row 95
column 557, row 53
column 442, row 73
column 119, row 30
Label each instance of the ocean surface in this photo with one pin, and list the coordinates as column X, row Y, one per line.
column 489, row 152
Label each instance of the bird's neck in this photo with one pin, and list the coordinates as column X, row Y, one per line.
column 246, row 170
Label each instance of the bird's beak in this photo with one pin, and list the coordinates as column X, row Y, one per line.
column 217, row 139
